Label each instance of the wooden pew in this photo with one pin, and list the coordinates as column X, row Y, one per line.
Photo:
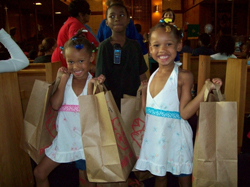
column 15, row 165
column 191, row 63
column 41, row 71
column 235, row 90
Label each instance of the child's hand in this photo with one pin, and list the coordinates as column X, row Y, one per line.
column 64, row 71
column 217, row 81
column 101, row 79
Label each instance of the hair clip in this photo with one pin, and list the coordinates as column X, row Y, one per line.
column 79, row 46
column 61, row 47
column 161, row 21
column 73, row 38
column 168, row 20
column 84, row 30
column 168, row 29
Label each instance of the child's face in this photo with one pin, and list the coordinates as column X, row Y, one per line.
column 117, row 19
column 169, row 14
column 78, row 62
column 164, row 46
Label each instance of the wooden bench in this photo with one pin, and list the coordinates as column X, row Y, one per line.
column 41, row 71
column 14, row 163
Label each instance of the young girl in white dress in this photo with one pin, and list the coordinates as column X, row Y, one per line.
column 67, row 145
column 167, row 144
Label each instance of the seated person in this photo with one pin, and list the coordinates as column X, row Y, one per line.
column 186, row 47
column 204, row 46
column 46, row 49
column 32, row 54
column 246, row 50
column 224, row 47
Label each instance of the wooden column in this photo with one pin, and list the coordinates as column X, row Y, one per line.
column 186, row 61
column 235, row 90
column 15, row 165
column 203, row 72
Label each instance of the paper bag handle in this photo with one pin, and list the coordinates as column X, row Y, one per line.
column 216, row 91
column 57, row 81
column 138, row 95
column 101, row 87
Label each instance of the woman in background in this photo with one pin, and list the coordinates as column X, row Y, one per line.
column 79, row 11
column 46, row 48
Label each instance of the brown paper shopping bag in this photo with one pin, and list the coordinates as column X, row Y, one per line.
column 109, row 157
column 39, row 127
column 134, row 120
column 215, row 149
column 134, row 126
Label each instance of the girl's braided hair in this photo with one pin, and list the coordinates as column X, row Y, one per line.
column 79, row 41
column 166, row 24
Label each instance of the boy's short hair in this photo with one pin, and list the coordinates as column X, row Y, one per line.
column 109, row 2
column 117, row 4
column 205, row 39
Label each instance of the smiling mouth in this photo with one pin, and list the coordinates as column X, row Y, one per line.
column 77, row 72
column 163, row 57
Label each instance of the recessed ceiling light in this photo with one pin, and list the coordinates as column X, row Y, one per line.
column 58, row 12
column 38, row 3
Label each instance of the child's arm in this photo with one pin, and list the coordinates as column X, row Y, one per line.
column 101, row 79
column 188, row 107
column 56, row 99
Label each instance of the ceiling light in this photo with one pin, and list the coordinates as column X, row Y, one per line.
column 58, row 12
column 37, row 3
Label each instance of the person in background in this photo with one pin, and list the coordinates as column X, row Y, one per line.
column 105, row 32
column 67, row 146
column 46, row 48
column 246, row 50
column 169, row 13
column 79, row 11
column 18, row 59
column 186, row 47
column 32, row 54
column 204, row 46
column 168, row 138
column 224, row 47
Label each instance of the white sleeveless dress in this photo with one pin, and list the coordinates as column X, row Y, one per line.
column 67, row 145
column 167, row 143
